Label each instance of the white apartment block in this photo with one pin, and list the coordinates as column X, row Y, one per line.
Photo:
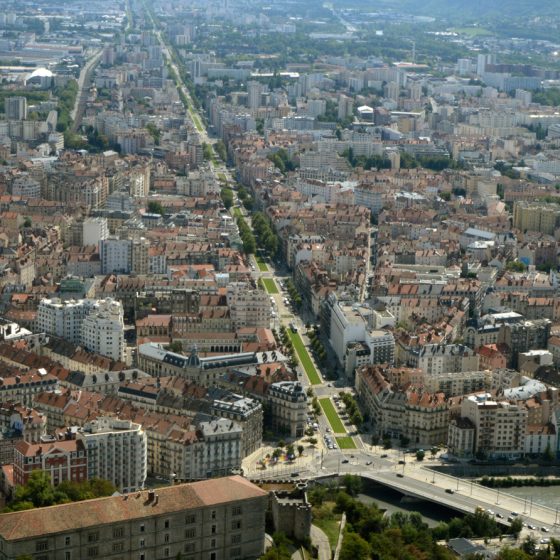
column 116, row 451
column 94, row 230
column 248, row 307
column 115, row 255
column 63, row 318
column 435, row 359
column 498, row 428
column 354, row 324
column 96, row 324
column 26, row 187
column 103, row 330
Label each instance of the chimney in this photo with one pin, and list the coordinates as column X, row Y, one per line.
column 151, row 495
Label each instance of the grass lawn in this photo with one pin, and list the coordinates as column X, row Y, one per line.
column 332, row 416
column 303, row 355
column 325, row 518
column 237, row 212
column 270, row 285
column 472, row 31
column 261, row 264
column 345, row 442
column 222, row 177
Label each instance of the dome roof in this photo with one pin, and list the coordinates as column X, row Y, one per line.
column 40, row 73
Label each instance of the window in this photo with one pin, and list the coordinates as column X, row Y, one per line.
column 142, row 528
column 93, row 537
column 235, row 539
column 41, row 545
column 118, row 547
column 236, row 524
column 67, row 541
column 213, row 514
column 213, row 543
column 93, row 551
column 166, row 552
column 118, row 532
column 190, row 519
column 190, row 533
column 142, row 543
column 235, row 553
column 190, row 547
column 213, row 529
column 166, row 537
column 236, row 510
column 67, row 555
column 166, row 524
column 212, row 556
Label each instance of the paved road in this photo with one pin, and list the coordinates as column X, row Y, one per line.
column 77, row 112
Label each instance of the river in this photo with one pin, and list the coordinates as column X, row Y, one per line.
column 544, row 495
column 391, row 501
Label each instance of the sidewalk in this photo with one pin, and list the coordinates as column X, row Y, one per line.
column 321, row 541
column 308, row 460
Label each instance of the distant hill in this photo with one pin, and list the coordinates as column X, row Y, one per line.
column 461, row 9
column 480, row 8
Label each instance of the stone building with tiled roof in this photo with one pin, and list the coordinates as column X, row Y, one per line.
column 220, row 518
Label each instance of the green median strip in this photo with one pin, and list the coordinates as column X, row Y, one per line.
column 270, row 286
column 261, row 264
column 196, row 120
column 345, row 442
column 332, row 416
column 305, row 359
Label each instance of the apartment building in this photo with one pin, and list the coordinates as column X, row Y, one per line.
column 288, row 403
column 115, row 255
column 61, row 460
column 94, row 230
column 208, row 520
column 22, row 386
column 353, row 324
column 116, row 451
column 534, row 216
column 419, row 415
column 497, row 427
column 248, row 307
column 96, row 324
column 63, row 318
column 103, row 330
column 435, row 359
